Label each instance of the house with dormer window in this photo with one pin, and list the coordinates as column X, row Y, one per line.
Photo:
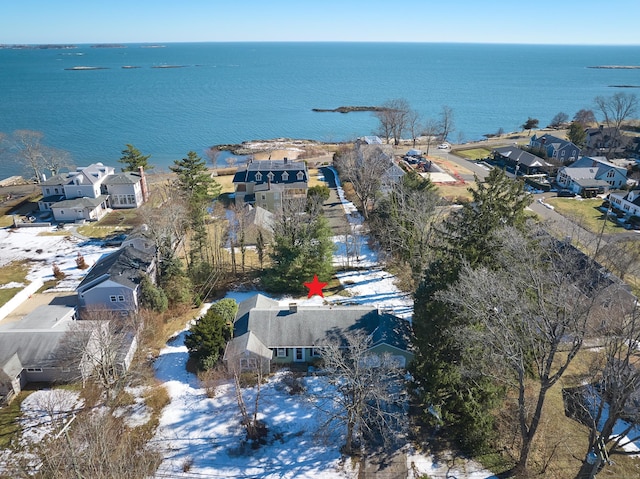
column 267, row 183
column 87, row 193
column 555, row 148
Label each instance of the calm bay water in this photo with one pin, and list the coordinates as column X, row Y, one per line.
column 232, row 92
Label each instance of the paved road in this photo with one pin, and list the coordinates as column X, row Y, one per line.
column 333, row 210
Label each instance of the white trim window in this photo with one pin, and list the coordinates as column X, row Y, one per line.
column 258, row 176
column 300, row 176
column 285, row 176
column 281, row 352
column 113, row 298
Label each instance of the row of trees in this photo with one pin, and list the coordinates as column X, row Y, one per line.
column 502, row 311
column 396, row 118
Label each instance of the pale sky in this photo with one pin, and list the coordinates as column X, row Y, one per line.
column 591, row 22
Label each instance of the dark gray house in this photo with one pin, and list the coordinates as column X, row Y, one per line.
column 526, row 162
column 267, row 334
column 113, row 283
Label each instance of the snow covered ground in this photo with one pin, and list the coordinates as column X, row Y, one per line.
column 43, row 248
column 203, row 437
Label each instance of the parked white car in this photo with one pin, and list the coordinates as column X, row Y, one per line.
column 444, row 146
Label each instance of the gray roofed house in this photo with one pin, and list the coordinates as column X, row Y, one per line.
column 296, row 333
column 85, row 208
column 32, row 349
column 591, row 175
column 528, row 163
column 87, row 192
column 113, row 283
column 556, row 148
column 266, row 183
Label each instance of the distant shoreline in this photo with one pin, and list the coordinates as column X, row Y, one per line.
column 616, row 67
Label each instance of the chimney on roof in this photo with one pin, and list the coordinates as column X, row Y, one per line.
column 293, row 307
column 143, row 184
column 286, row 160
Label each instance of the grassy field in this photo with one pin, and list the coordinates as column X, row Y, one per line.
column 585, row 214
column 13, row 272
column 473, row 153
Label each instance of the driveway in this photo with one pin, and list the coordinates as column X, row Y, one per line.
column 333, row 210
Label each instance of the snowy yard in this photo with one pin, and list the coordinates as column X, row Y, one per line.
column 201, row 436
column 44, row 246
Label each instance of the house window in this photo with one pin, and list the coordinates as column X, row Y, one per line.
column 34, row 370
column 300, row 176
column 264, row 197
column 131, row 199
column 120, row 298
column 248, row 363
column 113, row 298
column 281, row 352
column 258, row 176
column 316, row 352
column 299, row 355
column 285, row 176
column 47, row 190
column 270, row 175
column 55, row 190
column 610, row 174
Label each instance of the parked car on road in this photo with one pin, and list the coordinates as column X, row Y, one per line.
column 444, row 146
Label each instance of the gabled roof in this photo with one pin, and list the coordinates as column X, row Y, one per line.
column 521, row 156
column 35, row 340
column 125, row 178
column 548, row 139
column 57, row 180
column 84, row 202
column 248, row 342
column 309, row 326
column 124, row 266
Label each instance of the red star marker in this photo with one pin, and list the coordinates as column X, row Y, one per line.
column 315, row 287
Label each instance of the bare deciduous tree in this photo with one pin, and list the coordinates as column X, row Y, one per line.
column 100, row 346
column 30, row 152
column 394, row 117
column 616, row 110
column 430, row 130
column 446, row 122
column 255, row 429
column 368, row 391
column 610, row 404
column 524, row 313
column 364, row 168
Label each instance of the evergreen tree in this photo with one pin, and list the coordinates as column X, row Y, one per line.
column 207, row 338
column 452, row 396
column 301, row 248
column 133, row 159
column 577, row 134
column 152, row 297
column 199, row 189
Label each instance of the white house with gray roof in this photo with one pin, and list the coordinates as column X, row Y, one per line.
column 88, row 192
column 591, row 175
column 267, row 334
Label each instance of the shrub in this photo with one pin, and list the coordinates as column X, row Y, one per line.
column 58, row 273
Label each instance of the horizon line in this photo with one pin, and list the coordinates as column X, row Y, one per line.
column 432, row 42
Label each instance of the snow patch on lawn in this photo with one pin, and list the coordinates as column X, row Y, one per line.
column 46, row 412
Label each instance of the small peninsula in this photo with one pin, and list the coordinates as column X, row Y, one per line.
column 349, row 109
column 617, row 67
